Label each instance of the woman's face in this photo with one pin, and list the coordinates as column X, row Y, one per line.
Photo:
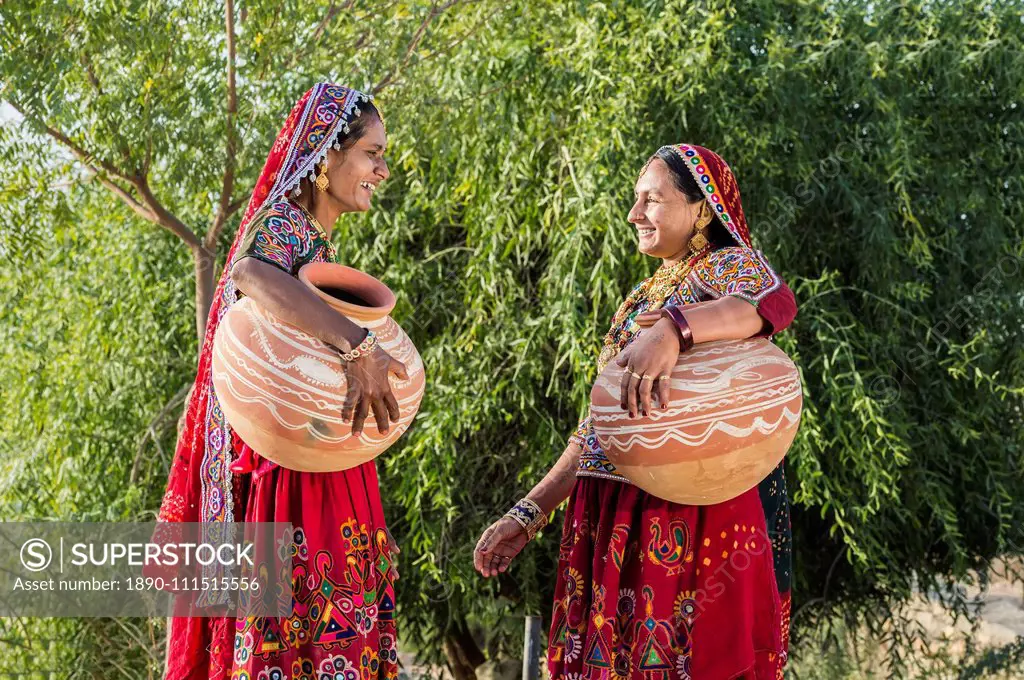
column 661, row 214
column 355, row 172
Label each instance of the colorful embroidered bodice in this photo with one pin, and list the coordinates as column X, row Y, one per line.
column 742, row 272
column 282, row 235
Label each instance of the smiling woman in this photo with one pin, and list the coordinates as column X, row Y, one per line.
column 669, row 208
column 327, row 160
column 349, row 174
column 646, row 585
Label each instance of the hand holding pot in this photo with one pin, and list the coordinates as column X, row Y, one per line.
column 368, row 388
column 648, row 361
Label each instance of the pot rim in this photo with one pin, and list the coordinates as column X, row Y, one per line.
column 367, row 287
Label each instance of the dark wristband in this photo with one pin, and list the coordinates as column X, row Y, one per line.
column 683, row 328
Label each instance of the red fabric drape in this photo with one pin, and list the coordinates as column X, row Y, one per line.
column 202, row 488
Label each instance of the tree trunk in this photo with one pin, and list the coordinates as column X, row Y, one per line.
column 456, row 662
column 204, row 262
column 463, row 653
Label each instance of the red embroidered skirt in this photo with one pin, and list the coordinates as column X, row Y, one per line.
column 342, row 622
column 652, row 589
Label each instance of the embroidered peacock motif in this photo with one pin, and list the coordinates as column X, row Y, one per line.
column 669, row 551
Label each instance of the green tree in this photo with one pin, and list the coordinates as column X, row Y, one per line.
column 876, row 145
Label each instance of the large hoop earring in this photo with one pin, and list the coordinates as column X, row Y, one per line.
column 699, row 241
column 321, row 180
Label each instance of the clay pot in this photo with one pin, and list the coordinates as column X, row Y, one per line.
column 282, row 390
column 734, row 409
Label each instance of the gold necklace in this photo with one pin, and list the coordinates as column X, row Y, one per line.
column 314, row 221
column 655, row 290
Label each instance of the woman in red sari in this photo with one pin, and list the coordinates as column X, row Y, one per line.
column 327, row 159
column 648, row 588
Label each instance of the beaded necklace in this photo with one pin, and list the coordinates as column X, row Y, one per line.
column 648, row 296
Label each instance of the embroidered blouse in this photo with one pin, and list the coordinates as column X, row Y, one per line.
column 736, row 271
column 282, row 235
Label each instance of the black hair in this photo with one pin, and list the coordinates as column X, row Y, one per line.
column 681, row 176
column 684, row 181
column 357, row 128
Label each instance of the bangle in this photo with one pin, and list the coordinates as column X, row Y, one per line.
column 682, row 328
column 528, row 515
column 364, row 347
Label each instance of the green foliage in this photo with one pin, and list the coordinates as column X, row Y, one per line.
column 842, row 650
column 877, row 147
column 1007, row 657
column 97, row 335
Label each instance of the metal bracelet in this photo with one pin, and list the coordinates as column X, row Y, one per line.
column 365, row 347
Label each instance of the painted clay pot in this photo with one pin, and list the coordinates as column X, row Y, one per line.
column 734, row 409
column 282, row 390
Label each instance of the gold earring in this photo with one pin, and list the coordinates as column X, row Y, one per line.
column 699, row 241
column 321, row 180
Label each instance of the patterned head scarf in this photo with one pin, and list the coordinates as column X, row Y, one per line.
column 715, row 179
column 718, row 184
column 200, row 485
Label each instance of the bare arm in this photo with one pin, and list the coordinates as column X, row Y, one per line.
column 290, row 300
column 727, row 318
column 504, row 539
column 558, row 482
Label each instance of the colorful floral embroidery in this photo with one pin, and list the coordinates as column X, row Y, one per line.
column 302, row 669
column 283, row 236
column 717, row 181
column 631, row 590
column 671, row 548
column 742, row 272
column 581, row 431
column 594, row 462
column 337, row 603
column 330, row 110
column 617, row 545
column 337, row 668
column 275, row 673
column 216, row 496
column 698, row 167
column 661, row 641
column 619, row 644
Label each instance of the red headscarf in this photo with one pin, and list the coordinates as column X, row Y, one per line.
column 200, row 487
column 718, row 184
column 716, row 181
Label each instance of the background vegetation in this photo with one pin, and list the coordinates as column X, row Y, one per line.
column 877, row 145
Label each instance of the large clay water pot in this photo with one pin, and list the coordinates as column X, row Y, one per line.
column 734, row 409
column 282, row 390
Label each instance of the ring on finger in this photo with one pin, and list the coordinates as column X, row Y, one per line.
column 636, row 375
